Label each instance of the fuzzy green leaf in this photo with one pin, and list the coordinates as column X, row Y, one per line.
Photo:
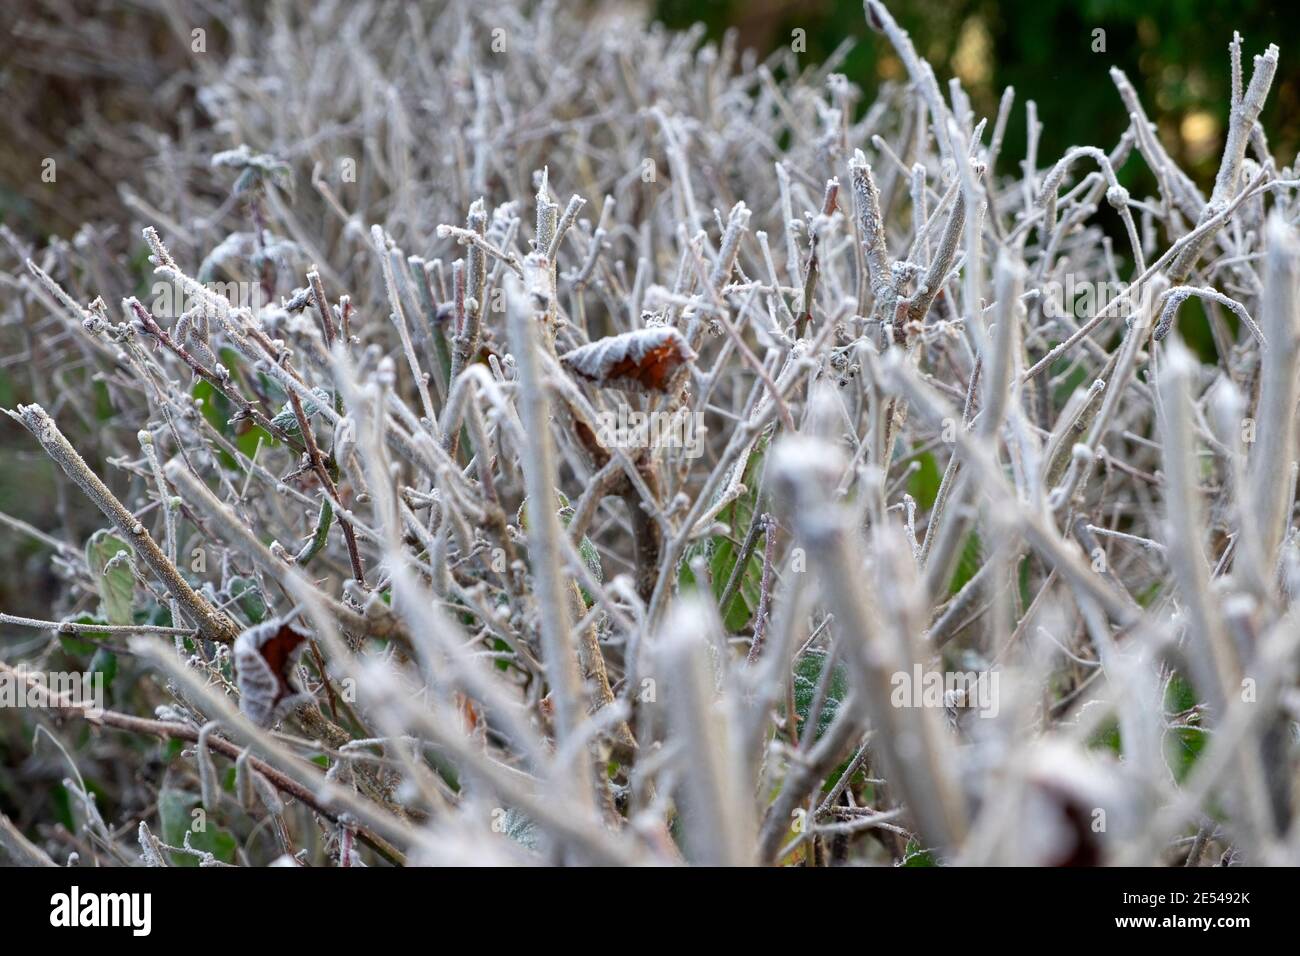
column 113, row 576
column 807, row 674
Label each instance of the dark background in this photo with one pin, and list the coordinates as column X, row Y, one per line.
column 1175, row 53
column 77, row 77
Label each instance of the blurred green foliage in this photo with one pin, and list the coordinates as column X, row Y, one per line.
column 1174, row 52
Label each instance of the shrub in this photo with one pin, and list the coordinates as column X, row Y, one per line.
column 592, row 446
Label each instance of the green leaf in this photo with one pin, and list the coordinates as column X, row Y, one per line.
column 504, row 648
column 173, row 814
column 913, row 855
column 103, row 402
column 215, row 409
column 807, row 674
column 83, row 643
column 319, row 536
column 104, row 661
column 1075, row 377
column 591, row 558
column 272, row 389
column 1147, row 596
column 218, row 411
column 63, row 806
column 171, row 749
column 972, row 556
column 1182, row 746
column 723, row 552
column 287, row 420
column 925, row 481
column 833, row 779
column 249, row 598
column 175, row 819
column 117, row 584
column 247, row 442
column 1107, row 738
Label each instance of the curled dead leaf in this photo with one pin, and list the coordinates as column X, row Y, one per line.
column 265, row 656
column 644, row 360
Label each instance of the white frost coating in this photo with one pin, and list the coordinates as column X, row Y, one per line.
column 264, row 667
column 620, row 361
